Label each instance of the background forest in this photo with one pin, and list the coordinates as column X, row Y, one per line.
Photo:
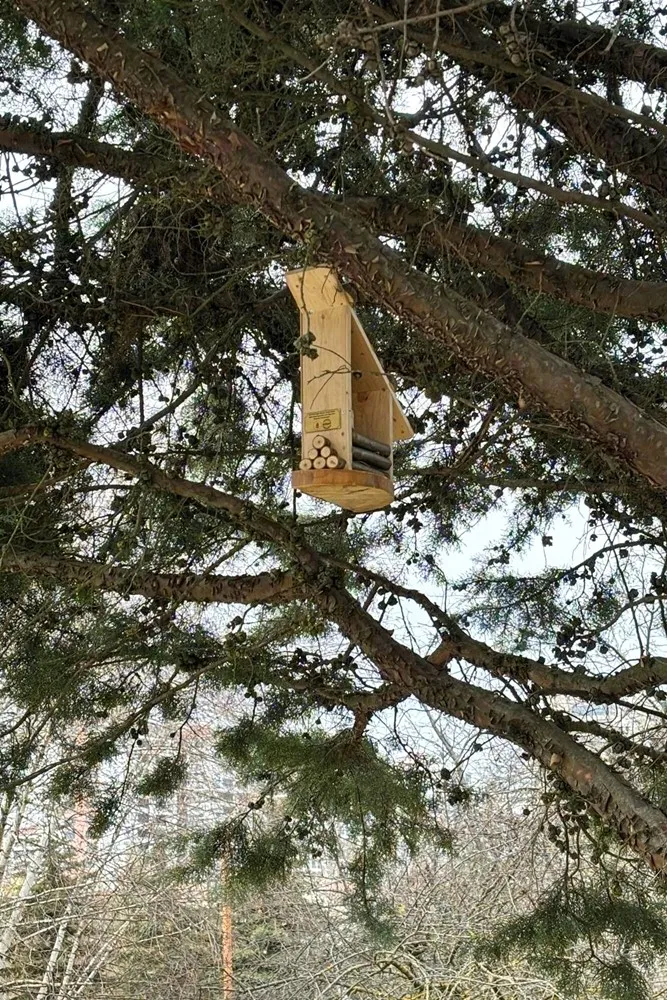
column 98, row 918
column 421, row 752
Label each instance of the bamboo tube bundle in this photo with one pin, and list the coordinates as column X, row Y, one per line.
column 369, row 455
column 321, row 456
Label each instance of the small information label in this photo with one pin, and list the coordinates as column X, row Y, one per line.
column 322, row 420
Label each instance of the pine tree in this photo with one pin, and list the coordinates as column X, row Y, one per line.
column 489, row 181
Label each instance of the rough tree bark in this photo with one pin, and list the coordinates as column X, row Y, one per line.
column 538, row 272
column 281, row 587
column 589, row 45
column 263, row 588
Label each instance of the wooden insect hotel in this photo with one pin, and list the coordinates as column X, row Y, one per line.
column 351, row 416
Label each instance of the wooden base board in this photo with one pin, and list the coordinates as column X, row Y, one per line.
column 350, row 489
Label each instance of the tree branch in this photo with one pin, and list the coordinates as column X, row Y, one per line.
column 589, row 121
column 638, row 823
column 588, row 45
column 263, row 588
column 524, row 369
column 479, row 248
column 550, row 679
column 399, row 123
column 609, row 294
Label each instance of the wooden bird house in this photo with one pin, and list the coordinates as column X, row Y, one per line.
column 351, row 416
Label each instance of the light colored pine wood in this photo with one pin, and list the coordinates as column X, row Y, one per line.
column 350, row 489
column 344, row 389
column 318, row 288
column 315, row 288
column 371, row 377
column 373, row 415
column 326, row 384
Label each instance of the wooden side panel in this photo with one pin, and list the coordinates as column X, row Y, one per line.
column 368, row 373
column 369, row 376
column 372, row 414
column 372, row 397
column 402, row 431
column 326, row 389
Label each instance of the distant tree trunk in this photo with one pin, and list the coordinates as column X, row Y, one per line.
column 12, row 815
column 47, row 987
column 63, row 990
column 8, row 935
column 227, row 967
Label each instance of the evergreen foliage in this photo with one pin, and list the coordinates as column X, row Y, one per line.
column 586, row 939
column 510, row 159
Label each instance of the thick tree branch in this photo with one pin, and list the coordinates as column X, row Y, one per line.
column 31, row 138
column 441, row 150
column 586, row 119
column 279, row 587
column 263, row 588
column 550, row 679
column 589, row 46
column 524, row 369
column 628, row 744
column 638, row 823
column 12, row 440
column 479, row 248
